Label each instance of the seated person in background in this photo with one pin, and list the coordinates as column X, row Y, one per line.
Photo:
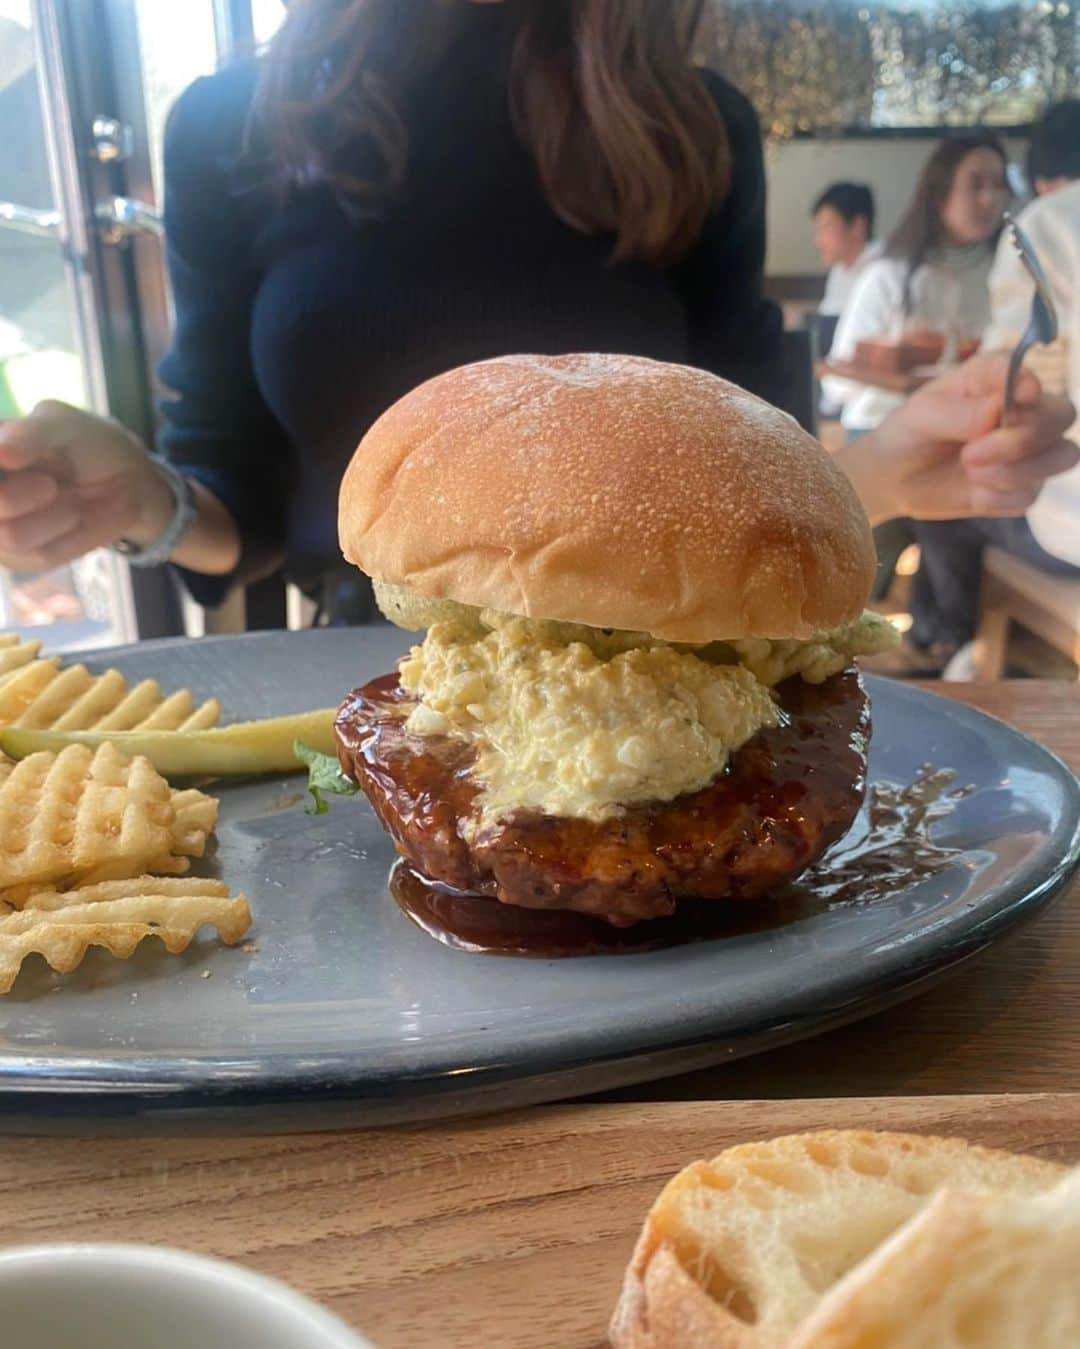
column 945, row 595
column 843, row 219
column 933, row 275
column 392, row 189
column 934, row 272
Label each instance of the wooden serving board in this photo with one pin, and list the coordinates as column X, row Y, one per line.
column 510, row 1232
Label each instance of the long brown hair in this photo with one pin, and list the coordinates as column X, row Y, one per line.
column 626, row 138
column 921, row 229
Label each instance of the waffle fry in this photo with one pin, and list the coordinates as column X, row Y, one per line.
column 117, row 915
column 43, row 695
column 15, row 653
column 93, row 815
column 195, row 817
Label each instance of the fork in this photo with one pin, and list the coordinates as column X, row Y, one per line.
column 1042, row 325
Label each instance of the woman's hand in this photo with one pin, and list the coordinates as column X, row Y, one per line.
column 944, row 454
column 71, row 482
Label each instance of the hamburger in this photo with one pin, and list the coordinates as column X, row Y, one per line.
column 643, row 591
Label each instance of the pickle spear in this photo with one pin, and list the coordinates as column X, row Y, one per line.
column 242, row 749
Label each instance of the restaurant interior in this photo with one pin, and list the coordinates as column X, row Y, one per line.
column 540, row 674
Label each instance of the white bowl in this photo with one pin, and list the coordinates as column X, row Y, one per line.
column 152, row 1297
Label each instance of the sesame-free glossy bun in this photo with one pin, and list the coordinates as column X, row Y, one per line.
column 608, row 490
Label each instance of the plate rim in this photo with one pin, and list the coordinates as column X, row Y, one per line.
column 85, row 1083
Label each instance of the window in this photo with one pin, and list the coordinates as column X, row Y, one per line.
column 176, row 45
column 16, row 13
column 266, row 17
column 829, row 65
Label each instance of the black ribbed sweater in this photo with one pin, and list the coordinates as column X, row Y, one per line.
column 297, row 325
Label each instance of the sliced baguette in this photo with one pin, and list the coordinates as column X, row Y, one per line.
column 737, row 1252
column 971, row 1271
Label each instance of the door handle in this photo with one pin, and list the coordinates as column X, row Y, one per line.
column 27, row 220
column 120, row 218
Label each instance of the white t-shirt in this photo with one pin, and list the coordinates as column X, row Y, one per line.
column 842, row 278
column 1052, row 223
column 951, row 294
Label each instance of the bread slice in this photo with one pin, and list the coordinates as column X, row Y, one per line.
column 985, row 1271
column 737, row 1252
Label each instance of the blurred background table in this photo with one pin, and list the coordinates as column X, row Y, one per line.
column 895, row 381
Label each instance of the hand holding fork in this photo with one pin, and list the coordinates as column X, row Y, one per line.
column 1042, row 326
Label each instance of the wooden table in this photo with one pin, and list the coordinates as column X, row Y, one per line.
column 504, row 1233
column 513, row 1232
column 894, row 381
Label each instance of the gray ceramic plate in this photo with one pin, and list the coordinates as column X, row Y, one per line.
column 347, row 1014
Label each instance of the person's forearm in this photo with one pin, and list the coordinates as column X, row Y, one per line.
column 211, row 545
column 858, row 464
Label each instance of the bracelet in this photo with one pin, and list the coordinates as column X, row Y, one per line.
column 183, row 517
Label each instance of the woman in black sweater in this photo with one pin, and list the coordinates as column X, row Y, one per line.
column 398, row 187
column 305, row 310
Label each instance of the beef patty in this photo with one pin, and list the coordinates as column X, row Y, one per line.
column 788, row 793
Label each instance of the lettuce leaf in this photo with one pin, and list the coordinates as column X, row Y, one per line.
column 324, row 775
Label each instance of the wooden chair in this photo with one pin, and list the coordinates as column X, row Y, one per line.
column 1014, row 592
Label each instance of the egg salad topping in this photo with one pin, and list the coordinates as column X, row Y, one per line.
column 562, row 729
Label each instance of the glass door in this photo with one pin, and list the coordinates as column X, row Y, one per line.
column 50, row 343
column 84, row 314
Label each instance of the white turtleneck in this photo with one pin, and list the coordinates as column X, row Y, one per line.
column 949, row 292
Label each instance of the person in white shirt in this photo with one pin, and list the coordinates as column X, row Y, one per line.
column 945, row 595
column 935, row 270
column 933, row 275
column 843, row 219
